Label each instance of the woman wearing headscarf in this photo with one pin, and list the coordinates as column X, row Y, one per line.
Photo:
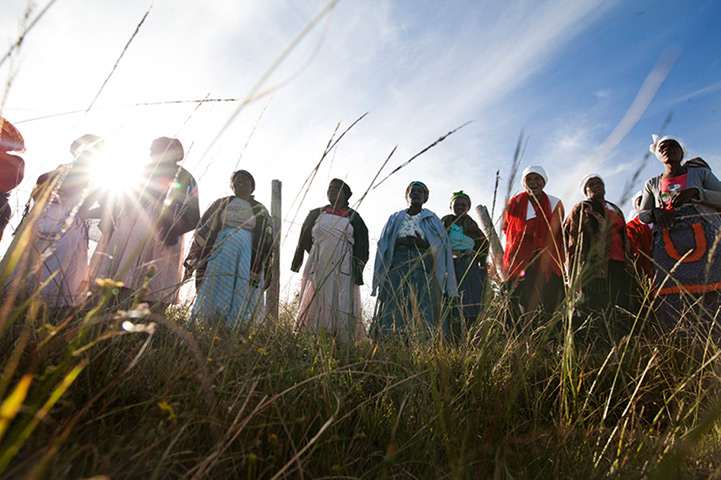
column 12, row 167
column 470, row 249
column 231, row 256
column 681, row 203
column 533, row 258
column 142, row 245
column 598, row 248
column 413, row 268
column 337, row 239
column 57, row 259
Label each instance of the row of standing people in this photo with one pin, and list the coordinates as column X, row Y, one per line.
column 670, row 245
column 141, row 245
column 419, row 260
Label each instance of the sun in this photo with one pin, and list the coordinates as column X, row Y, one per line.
column 117, row 171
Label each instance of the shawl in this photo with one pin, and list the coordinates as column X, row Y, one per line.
column 361, row 246
column 588, row 234
column 471, row 230
column 524, row 244
column 207, row 232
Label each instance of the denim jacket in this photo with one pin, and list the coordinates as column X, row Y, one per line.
column 440, row 249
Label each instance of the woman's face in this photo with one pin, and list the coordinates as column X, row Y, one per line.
column 595, row 189
column 460, row 206
column 416, row 196
column 534, row 184
column 670, row 152
column 336, row 195
column 242, row 187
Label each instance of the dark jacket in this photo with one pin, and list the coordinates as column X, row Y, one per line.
column 211, row 223
column 361, row 245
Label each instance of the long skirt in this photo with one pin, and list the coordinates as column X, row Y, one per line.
column 135, row 251
column 471, row 282
column 59, row 257
column 227, row 292
column 409, row 298
column 687, row 264
column 329, row 299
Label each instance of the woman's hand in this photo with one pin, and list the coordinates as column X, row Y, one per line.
column 685, row 196
column 663, row 219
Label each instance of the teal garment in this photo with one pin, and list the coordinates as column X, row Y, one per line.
column 458, row 239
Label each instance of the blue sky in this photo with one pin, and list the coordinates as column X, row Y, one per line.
column 565, row 73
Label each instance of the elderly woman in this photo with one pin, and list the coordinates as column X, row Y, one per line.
column 142, row 244
column 231, row 256
column 598, row 248
column 470, row 249
column 413, row 267
column 681, row 203
column 57, row 260
column 337, row 239
column 533, row 258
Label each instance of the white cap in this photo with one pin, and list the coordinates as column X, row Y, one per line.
column 588, row 177
column 653, row 148
column 537, row 169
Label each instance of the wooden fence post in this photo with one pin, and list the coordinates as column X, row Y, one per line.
column 273, row 294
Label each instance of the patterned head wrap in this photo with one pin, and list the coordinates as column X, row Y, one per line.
column 343, row 186
column 410, row 185
column 236, row 175
column 537, row 169
column 10, row 138
column 167, row 149
column 460, row 194
column 586, row 179
column 653, row 148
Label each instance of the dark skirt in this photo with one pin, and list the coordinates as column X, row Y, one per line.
column 471, row 280
column 409, row 298
column 602, row 294
column 687, row 269
column 533, row 292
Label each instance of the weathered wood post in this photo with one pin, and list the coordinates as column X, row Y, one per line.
column 273, row 295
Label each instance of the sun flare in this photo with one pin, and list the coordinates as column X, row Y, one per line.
column 117, row 173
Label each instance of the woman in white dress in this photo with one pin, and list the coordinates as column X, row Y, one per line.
column 231, row 256
column 337, row 239
column 57, row 259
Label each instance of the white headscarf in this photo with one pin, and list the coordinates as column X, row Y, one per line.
column 537, row 169
column 588, row 177
column 653, row 148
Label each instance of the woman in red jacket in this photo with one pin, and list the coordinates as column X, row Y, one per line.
column 533, row 259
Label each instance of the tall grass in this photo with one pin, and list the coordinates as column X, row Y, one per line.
column 83, row 396
column 132, row 394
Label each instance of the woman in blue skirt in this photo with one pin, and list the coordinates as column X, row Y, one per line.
column 413, row 269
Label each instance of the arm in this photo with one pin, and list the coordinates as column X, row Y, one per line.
column 305, row 241
column 648, row 203
column 361, row 247
column 385, row 243
column 710, row 190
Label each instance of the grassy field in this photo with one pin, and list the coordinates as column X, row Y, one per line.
column 84, row 397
